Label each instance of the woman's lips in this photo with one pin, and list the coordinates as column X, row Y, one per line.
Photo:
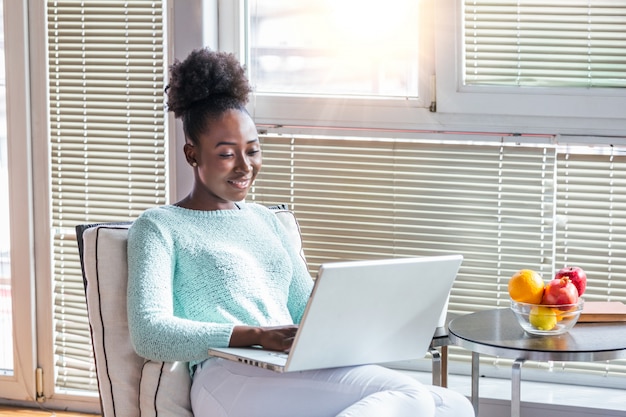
column 240, row 183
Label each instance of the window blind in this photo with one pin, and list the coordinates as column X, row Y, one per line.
column 106, row 70
column 573, row 43
column 591, row 230
column 501, row 205
column 360, row 199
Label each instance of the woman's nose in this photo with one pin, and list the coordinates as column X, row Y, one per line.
column 244, row 165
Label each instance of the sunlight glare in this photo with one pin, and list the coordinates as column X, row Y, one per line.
column 372, row 20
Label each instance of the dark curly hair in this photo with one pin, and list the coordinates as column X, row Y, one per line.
column 203, row 86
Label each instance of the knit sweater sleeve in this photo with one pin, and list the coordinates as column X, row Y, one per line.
column 156, row 333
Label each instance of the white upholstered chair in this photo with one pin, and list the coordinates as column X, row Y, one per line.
column 131, row 386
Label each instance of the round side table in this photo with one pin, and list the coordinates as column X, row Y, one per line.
column 497, row 333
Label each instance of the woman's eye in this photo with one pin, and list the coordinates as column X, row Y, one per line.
column 226, row 155
column 254, row 152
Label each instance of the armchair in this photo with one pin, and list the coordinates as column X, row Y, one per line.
column 129, row 385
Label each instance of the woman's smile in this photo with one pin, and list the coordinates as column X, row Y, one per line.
column 241, row 184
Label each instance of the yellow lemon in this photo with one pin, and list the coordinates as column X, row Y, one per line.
column 542, row 318
column 526, row 286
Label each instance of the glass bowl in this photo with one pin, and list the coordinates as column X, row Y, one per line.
column 545, row 320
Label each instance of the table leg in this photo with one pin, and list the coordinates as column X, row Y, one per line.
column 516, row 388
column 475, row 376
column 436, row 369
column 444, row 366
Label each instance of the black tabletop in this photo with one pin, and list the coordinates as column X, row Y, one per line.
column 496, row 332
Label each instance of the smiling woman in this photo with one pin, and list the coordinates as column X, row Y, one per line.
column 216, row 271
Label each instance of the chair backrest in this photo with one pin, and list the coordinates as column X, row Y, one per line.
column 131, row 386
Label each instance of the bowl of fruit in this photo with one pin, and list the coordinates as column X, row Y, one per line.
column 547, row 309
column 547, row 319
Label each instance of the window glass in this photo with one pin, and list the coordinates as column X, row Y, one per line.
column 572, row 43
column 559, row 69
column 359, row 48
column 6, row 336
column 107, row 139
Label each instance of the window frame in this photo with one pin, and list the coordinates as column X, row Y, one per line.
column 271, row 109
column 527, row 110
column 19, row 148
column 459, row 108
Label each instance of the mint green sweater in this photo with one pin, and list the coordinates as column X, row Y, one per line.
column 193, row 275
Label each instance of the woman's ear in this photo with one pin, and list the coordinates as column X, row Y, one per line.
column 190, row 154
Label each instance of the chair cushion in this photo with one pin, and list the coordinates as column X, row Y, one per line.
column 129, row 385
column 164, row 389
column 118, row 366
column 288, row 219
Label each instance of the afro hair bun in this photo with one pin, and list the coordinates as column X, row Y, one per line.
column 203, row 75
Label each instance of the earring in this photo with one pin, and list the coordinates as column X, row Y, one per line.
column 194, row 164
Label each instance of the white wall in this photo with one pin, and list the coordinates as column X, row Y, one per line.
column 187, row 20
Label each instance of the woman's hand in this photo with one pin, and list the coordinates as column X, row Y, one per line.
column 278, row 338
column 271, row 338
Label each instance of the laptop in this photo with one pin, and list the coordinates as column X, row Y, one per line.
column 363, row 312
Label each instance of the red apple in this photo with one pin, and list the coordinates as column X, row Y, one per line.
column 576, row 275
column 560, row 291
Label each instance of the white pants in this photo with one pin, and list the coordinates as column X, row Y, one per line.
column 223, row 388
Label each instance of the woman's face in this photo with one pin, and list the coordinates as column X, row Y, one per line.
column 228, row 158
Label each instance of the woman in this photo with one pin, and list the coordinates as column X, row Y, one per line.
column 213, row 271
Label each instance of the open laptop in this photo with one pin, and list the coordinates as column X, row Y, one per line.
column 363, row 312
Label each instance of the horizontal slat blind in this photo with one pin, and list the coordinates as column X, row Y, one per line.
column 106, row 69
column 497, row 204
column 592, row 220
column 591, row 229
column 580, row 43
column 363, row 199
